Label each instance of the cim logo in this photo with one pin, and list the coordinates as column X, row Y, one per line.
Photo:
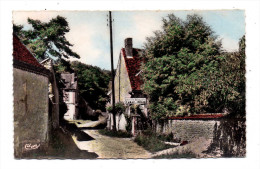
column 30, row 145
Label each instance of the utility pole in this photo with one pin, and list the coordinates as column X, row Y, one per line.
column 112, row 72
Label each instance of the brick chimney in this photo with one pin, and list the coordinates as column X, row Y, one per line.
column 129, row 47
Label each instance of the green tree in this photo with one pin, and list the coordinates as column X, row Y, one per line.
column 92, row 84
column 184, row 69
column 47, row 39
column 233, row 70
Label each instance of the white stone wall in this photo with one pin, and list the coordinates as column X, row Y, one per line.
column 71, row 106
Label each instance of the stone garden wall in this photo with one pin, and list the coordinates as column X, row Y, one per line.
column 187, row 130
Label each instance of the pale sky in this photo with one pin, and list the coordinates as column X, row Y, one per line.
column 90, row 34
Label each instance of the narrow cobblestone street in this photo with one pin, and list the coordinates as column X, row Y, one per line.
column 111, row 147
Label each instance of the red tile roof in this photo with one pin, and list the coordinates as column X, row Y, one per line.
column 198, row 116
column 133, row 67
column 24, row 60
column 22, row 54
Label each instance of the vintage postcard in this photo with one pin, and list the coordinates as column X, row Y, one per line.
column 129, row 84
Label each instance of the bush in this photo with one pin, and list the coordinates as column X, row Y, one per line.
column 168, row 137
column 182, row 111
column 151, row 142
column 119, row 108
column 109, row 109
column 111, row 133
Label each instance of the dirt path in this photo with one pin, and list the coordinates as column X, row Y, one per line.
column 111, row 147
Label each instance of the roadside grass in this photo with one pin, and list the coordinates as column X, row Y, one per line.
column 150, row 141
column 177, row 154
column 168, row 138
column 111, row 133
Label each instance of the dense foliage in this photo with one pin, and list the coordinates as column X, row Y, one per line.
column 92, row 84
column 119, row 108
column 233, row 76
column 185, row 70
column 47, row 40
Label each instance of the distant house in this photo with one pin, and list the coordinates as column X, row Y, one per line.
column 30, row 87
column 128, row 82
column 70, row 95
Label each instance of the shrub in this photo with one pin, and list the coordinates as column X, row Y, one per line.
column 150, row 141
column 109, row 109
column 111, row 133
column 168, row 137
column 119, row 108
column 182, row 111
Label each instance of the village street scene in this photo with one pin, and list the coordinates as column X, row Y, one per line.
column 129, row 84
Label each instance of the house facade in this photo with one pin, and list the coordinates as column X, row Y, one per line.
column 70, row 95
column 31, row 102
column 128, row 83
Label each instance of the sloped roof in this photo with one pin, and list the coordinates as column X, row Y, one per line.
column 23, row 58
column 133, row 68
column 21, row 53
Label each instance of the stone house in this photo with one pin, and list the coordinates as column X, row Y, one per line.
column 128, row 83
column 70, row 95
column 31, row 104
